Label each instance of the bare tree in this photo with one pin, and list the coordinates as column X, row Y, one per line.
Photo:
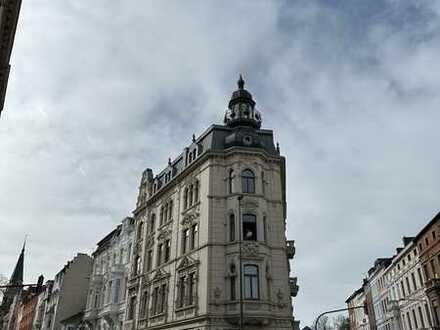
column 323, row 323
column 3, row 281
column 341, row 322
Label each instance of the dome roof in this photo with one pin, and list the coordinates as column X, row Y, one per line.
column 242, row 110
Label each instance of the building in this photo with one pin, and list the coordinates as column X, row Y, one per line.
column 379, row 292
column 28, row 304
column 356, row 315
column 211, row 250
column 9, row 12
column 107, row 289
column 66, row 296
column 40, row 308
column 428, row 244
column 11, row 295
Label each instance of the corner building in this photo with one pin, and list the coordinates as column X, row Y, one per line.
column 212, row 222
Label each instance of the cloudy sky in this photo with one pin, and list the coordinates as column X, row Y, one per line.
column 98, row 92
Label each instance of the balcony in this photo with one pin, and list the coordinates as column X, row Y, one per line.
column 293, row 285
column 91, row 314
column 111, row 309
column 432, row 284
column 290, row 249
column 96, row 280
column 118, row 269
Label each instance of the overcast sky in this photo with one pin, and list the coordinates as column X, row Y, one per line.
column 99, row 91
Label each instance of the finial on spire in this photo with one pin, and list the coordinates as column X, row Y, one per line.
column 24, row 242
column 240, row 82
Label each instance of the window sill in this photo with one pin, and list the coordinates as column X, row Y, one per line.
column 191, row 207
column 183, row 308
column 157, row 315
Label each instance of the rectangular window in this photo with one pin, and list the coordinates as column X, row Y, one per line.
column 251, row 282
column 149, row 260
column 116, row 290
column 231, row 228
column 403, row 289
column 233, row 294
column 419, row 273
column 407, row 285
column 194, row 231
column 433, row 235
column 249, row 227
column 132, row 308
column 163, row 300
column 432, row 262
column 422, row 321
column 155, row 300
column 428, row 315
column 425, row 269
column 159, row 254
column 414, row 281
column 167, row 250
column 408, row 318
column 415, row 319
column 182, row 288
column 185, row 239
column 191, row 288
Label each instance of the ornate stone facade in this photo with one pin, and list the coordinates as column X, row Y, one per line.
column 211, row 250
column 107, row 292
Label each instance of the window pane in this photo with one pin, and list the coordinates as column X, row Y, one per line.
column 249, row 227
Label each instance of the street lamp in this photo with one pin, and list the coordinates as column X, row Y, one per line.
column 240, row 197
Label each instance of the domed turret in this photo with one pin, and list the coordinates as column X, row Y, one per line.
column 242, row 110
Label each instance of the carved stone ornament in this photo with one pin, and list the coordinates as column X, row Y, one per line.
column 164, row 233
column 250, row 249
column 150, row 242
column 190, row 218
column 187, row 262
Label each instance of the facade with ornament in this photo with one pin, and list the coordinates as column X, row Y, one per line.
column 210, row 249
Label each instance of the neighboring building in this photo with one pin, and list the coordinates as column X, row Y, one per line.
column 428, row 244
column 407, row 302
column 40, row 308
column 29, row 300
column 379, row 293
column 107, row 290
column 357, row 317
column 210, row 238
column 67, row 296
column 11, row 295
column 9, row 12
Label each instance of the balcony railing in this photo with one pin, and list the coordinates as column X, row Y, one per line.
column 290, row 249
column 433, row 283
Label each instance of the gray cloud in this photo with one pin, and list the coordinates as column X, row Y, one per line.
column 99, row 92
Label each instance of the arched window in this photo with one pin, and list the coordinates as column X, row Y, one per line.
column 185, row 198
column 251, row 282
column 248, row 181
column 230, row 177
column 231, row 228
column 249, row 227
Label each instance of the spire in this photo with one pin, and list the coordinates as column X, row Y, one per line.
column 17, row 275
column 240, row 82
